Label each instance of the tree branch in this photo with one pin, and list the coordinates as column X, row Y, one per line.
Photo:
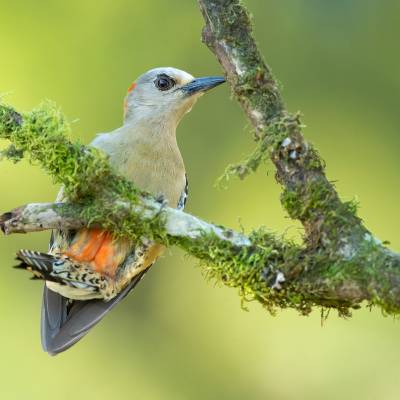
column 308, row 195
column 331, row 226
column 37, row 217
column 340, row 263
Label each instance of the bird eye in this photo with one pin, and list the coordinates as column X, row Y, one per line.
column 164, row 82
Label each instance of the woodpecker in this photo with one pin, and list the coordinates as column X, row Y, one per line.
column 87, row 272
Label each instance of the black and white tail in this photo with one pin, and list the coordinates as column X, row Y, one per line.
column 63, row 270
column 66, row 321
column 40, row 264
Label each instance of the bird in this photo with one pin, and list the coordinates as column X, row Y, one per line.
column 87, row 272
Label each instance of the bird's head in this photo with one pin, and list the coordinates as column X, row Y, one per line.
column 167, row 93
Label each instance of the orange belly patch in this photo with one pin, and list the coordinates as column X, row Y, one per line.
column 98, row 248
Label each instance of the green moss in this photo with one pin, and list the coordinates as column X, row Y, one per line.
column 317, row 274
column 42, row 136
column 253, row 270
column 247, row 166
column 267, row 142
column 12, row 153
column 256, row 88
column 132, row 225
column 304, row 203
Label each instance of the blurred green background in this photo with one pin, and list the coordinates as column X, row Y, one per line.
column 177, row 336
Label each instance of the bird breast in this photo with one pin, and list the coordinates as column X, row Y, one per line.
column 153, row 162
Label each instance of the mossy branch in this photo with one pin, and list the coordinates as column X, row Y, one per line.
column 308, row 195
column 263, row 266
column 332, row 227
column 339, row 265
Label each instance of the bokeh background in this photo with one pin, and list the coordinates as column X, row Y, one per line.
column 177, row 336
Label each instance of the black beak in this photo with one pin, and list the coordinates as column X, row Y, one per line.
column 202, row 84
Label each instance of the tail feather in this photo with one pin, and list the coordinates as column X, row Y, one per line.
column 40, row 264
column 63, row 270
column 66, row 321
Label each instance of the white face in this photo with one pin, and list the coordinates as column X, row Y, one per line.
column 166, row 92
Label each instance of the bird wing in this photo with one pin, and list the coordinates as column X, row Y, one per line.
column 65, row 321
column 184, row 195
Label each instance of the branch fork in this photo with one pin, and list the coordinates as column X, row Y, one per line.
column 339, row 265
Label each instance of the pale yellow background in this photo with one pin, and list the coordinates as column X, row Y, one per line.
column 177, row 336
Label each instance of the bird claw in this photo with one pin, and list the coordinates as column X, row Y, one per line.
column 161, row 199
